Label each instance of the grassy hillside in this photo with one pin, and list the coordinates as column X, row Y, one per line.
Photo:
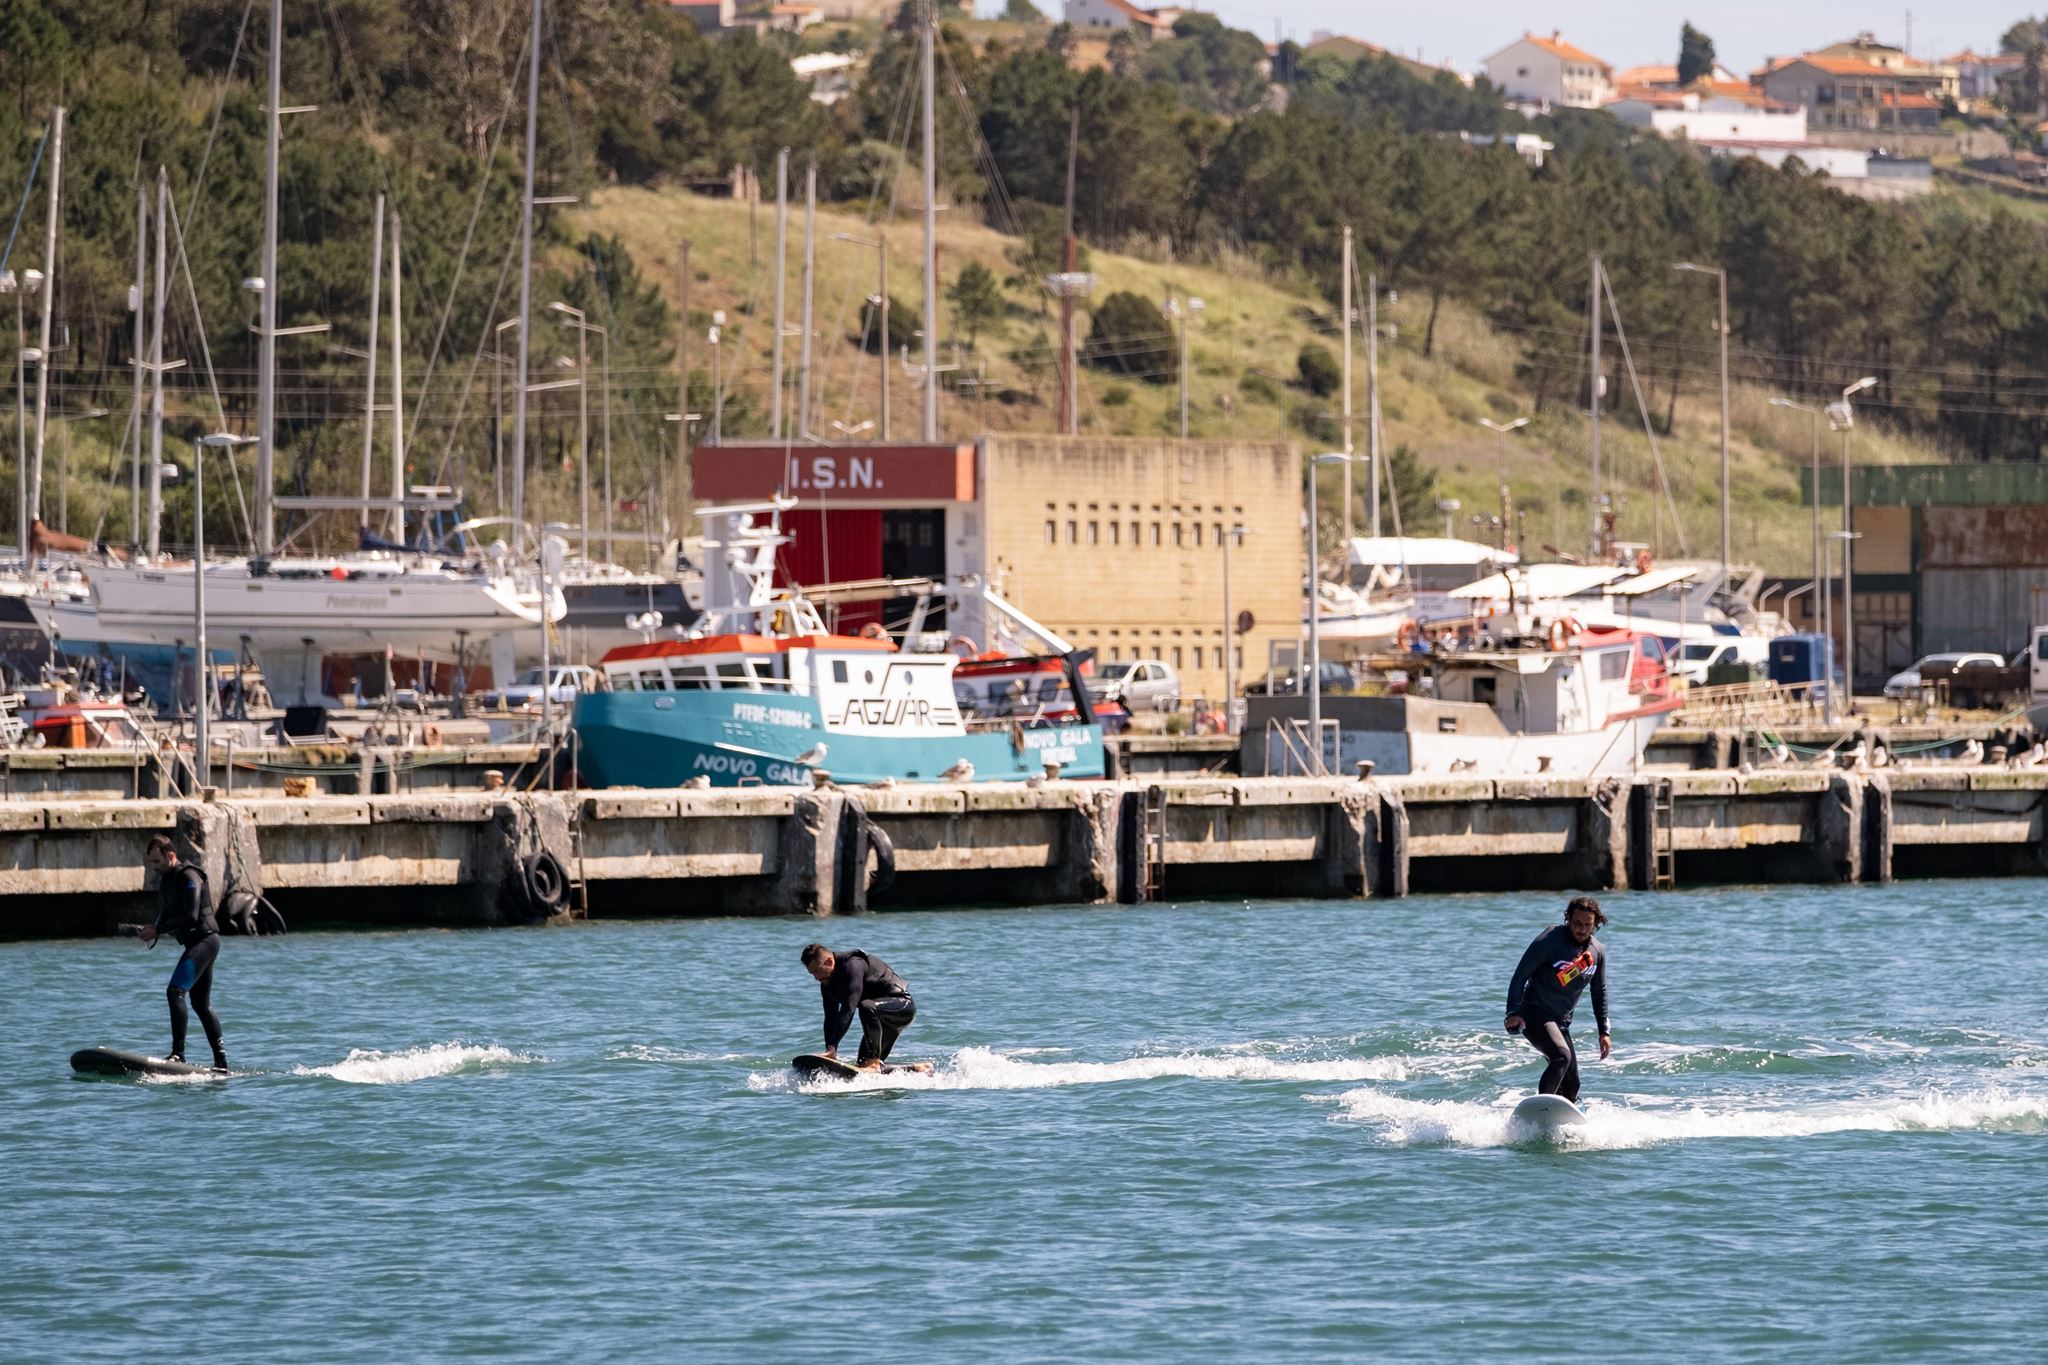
column 1243, row 352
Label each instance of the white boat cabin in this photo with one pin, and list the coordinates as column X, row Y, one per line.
column 860, row 685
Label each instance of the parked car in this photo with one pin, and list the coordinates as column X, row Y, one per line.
column 523, row 693
column 1336, row 678
column 1140, row 684
column 1933, row 668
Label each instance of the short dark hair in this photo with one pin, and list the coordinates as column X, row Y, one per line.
column 814, row 953
column 1587, row 903
column 161, row 843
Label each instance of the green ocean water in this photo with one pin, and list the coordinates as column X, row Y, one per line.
column 1218, row 1131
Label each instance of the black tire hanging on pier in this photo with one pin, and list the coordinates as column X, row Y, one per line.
column 269, row 923
column 884, row 875
column 237, row 914
column 543, row 883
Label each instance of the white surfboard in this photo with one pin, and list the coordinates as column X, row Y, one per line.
column 1548, row 1113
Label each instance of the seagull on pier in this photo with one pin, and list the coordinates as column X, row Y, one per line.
column 813, row 755
column 698, row 783
column 1973, row 752
column 963, row 771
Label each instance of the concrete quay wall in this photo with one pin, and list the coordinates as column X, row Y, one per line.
column 468, row 858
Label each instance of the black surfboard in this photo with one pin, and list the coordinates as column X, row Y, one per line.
column 811, row 1065
column 110, row 1061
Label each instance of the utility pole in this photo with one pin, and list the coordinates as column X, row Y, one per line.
column 682, row 480
column 1069, row 420
column 803, row 364
column 35, row 482
column 781, row 264
column 1347, row 384
column 931, row 231
column 370, row 377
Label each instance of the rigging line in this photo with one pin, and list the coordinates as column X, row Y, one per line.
column 113, row 477
column 28, row 188
column 220, row 102
column 462, row 259
column 1642, row 407
column 206, row 355
column 483, row 343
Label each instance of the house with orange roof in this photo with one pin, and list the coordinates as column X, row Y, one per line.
column 1549, row 71
column 1709, row 110
column 1104, row 17
column 1851, row 93
column 1978, row 75
column 1345, row 48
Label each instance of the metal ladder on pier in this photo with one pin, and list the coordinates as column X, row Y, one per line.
column 579, row 886
column 1663, row 837
column 1154, row 844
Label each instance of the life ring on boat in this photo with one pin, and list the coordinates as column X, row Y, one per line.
column 431, row 736
column 873, row 631
column 962, row 646
column 1561, row 632
column 1642, row 561
column 1405, row 636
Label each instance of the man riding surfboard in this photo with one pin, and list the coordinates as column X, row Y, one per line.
column 1554, row 971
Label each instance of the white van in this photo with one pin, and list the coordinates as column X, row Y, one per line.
column 1695, row 657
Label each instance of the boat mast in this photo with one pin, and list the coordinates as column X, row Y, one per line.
column 397, row 389
column 931, row 234
column 141, row 322
column 370, row 381
column 266, row 344
column 526, row 290
column 1594, row 384
column 35, row 482
column 156, row 372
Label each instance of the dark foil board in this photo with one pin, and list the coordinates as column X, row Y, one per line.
column 108, row 1061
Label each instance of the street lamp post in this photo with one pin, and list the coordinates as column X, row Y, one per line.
column 1721, row 276
column 202, row 700
column 1500, row 432
column 1184, row 314
column 1449, row 507
column 1816, row 414
column 1235, row 534
column 1828, row 629
column 1312, row 671
column 714, row 337
column 1844, row 418
column 575, row 318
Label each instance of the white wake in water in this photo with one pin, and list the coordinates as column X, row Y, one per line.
column 976, row 1068
column 1609, row 1126
column 365, row 1066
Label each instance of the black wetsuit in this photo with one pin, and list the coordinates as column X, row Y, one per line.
column 1547, row 983
column 863, row 984
column 186, row 914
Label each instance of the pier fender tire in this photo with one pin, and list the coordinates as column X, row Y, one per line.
column 884, row 848
column 237, row 915
column 269, row 923
column 543, row 883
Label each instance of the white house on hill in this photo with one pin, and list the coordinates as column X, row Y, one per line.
column 1550, row 71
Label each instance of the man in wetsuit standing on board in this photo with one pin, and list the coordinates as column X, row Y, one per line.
column 1555, row 969
column 861, row 983
column 185, row 913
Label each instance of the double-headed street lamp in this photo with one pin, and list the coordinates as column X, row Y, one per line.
column 201, row 670
column 574, row 317
column 1815, row 413
column 1500, row 432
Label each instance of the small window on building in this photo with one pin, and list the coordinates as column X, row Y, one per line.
column 1176, row 535
column 1116, row 533
column 1052, row 533
column 1158, row 533
column 1198, row 656
column 1094, row 532
column 1137, row 534
column 1073, row 533
column 1198, row 535
column 1176, row 656
column 1219, row 534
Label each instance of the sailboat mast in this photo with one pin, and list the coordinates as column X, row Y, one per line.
column 35, row 481
column 525, row 283
column 397, row 387
column 1594, row 386
column 156, row 372
column 266, row 340
column 931, row 233
column 370, row 380
column 141, row 322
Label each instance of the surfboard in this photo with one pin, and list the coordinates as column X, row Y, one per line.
column 811, row 1064
column 111, row 1061
column 1548, row 1113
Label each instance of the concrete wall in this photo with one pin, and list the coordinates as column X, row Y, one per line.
column 1086, row 579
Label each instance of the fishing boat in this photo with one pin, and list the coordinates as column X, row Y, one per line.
column 765, row 693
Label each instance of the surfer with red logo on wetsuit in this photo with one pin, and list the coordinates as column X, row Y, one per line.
column 1555, row 970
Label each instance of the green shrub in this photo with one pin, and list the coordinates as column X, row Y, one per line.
column 1116, row 396
column 1318, row 369
column 1129, row 335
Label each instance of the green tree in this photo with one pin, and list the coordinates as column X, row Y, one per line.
column 977, row 299
column 1319, row 371
column 1023, row 12
column 1129, row 335
column 1415, row 489
column 1695, row 55
column 1216, row 69
column 36, row 55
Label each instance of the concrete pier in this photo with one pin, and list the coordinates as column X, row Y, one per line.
column 470, row 858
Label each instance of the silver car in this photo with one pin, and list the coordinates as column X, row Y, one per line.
column 1934, row 666
column 1140, row 684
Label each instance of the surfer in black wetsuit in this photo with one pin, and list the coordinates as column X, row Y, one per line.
column 185, row 912
column 861, row 983
column 1555, row 969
